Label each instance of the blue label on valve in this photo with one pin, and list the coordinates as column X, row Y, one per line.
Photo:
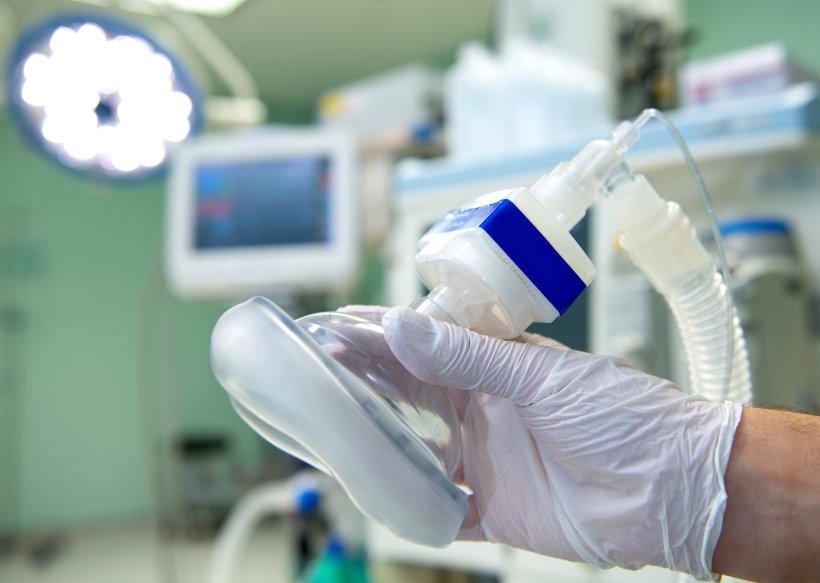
column 465, row 218
column 525, row 245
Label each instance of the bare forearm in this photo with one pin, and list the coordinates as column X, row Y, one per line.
column 771, row 529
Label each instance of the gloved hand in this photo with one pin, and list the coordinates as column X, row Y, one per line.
column 572, row 455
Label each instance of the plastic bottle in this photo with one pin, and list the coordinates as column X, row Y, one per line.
column 477, row 119
column 532, row 90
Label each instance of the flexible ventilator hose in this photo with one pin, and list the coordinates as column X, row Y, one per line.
column 700, row 307
column 673, row 259
column 664, row 245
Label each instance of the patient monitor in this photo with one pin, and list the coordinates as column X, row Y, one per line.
column 267, row 211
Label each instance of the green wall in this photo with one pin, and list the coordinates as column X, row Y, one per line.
column 80, row 265
column 726, row 25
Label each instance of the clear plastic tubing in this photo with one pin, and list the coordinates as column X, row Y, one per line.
column 665, row 247
column 701, row 307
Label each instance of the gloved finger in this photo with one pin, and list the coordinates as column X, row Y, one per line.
column 471, row 529
column 374, row 313
column 530, row 338
column 461, row 399
column 443, row 354
column 359, row 338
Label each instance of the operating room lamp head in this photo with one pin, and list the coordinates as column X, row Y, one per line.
column 100, row 96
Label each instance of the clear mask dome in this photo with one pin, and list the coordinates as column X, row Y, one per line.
column 358, row 344
column 328, row 390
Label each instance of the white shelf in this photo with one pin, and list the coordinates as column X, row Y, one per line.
column 785, row 121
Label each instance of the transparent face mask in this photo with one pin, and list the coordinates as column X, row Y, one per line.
column 327, row 389
column 358, row 344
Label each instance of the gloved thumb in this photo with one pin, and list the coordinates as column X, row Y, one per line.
column 446, row 355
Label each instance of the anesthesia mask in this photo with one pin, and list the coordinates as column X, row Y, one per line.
column 327, row 389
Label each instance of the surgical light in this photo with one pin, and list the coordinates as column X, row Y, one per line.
column 101, row 97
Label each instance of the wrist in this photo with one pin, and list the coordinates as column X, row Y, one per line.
column 771, row 482
column 724, row 443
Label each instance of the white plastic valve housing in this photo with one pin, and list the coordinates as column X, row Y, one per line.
column 501, row 263
column 653, row 230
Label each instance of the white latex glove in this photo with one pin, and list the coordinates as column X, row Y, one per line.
column 576, row 456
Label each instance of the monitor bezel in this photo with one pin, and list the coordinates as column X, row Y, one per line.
column 233, row 272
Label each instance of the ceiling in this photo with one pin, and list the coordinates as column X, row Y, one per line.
column 296, row 49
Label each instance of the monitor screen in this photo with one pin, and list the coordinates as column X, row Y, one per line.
column 262, row 203
column 263, row 211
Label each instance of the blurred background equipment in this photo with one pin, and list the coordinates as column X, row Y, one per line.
column 559, row 70
column 526, row 98
column 390, row 116
column 407, row 97
column 207, row 483
column 758, row 70
column 266, row 211
column 649, row 49
column 773, row 294
column 307, row 496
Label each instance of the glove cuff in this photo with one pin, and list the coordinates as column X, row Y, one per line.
column 732, row 413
